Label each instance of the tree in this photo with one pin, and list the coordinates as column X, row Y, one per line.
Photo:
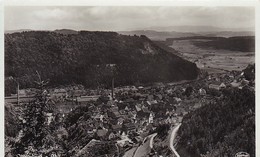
column 249, row 72
column 188, row 91
column 34, row 133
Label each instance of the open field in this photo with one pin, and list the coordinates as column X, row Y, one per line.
column 212, row 60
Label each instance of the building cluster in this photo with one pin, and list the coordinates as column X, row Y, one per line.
column 234, row 79
column 132, row 113
column 136, row 112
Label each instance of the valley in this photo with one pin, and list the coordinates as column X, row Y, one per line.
column 141, row 104
column 210, row 59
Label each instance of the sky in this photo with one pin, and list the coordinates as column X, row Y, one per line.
column 103, row 18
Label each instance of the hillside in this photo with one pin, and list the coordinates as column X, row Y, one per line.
column 159, row 35
column 163, row 35
column 89, row 58
column 16, row 31
column 66, row 31
column 222, row 128
column 244, row 44
column 199, row 29
column 238, row 43
column 229, row 33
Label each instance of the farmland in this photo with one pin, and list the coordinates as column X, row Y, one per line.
column 210, row 59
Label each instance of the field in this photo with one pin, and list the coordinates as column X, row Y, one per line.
column 213, row 60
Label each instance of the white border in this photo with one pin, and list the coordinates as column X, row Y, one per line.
column 2, row 77
column 130, row 2
column 257, row 79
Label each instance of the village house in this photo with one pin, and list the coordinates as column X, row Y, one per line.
column 124, row 142
column 202, row 91
column 235, row 84
column 116, row 127
column 82, row 99
column 196, row 106
column 120, row 121
column 129, row 127
column 132, row 114
column 145, row 109
column 158, row 97
column 151, row 102
column 179, row 111
column 138, row 107
column 178, row 100
column 122, row 112
column 91, row 131
column 101, row 132
column 150, row 97
column 138, row 139
column 151, row 116
column 59, row 93
column 114, row 136
column 88, row 147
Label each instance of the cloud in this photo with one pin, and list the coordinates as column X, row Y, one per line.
column 124, row 18
column 56, row 13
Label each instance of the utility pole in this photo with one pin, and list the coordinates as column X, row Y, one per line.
column 18, row 100
column 17, row 96
column 113, row 88
column 112, row 66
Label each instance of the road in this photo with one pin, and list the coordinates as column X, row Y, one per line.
column 145, row 147
column 173, row 135
column 151, row 141
column 130, row 153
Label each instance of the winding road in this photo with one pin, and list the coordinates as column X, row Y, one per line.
column 151, row 140
column 145, row 147
column 173, row 135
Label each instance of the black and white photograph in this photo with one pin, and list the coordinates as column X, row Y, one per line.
column 129, row 81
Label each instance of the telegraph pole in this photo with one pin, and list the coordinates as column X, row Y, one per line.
column 112, row 66
column 17, row 96
column 113, row 88
column 18, row 100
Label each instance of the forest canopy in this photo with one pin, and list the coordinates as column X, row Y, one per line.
column 85, row 58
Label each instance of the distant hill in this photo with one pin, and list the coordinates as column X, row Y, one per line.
column 89, row 58
column 229, row 33
column 163, row 35
column 158, row 35
column 194, row 29
column 239, row 43
column 244, row 44
column 17, row 31
column 66, row 31
column 197, row 29
column 61, row 31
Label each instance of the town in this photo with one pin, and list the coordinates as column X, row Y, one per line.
column 125, row 121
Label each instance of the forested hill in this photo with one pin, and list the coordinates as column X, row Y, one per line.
column 88, row 58
column 236, row 43
column 221, row 129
